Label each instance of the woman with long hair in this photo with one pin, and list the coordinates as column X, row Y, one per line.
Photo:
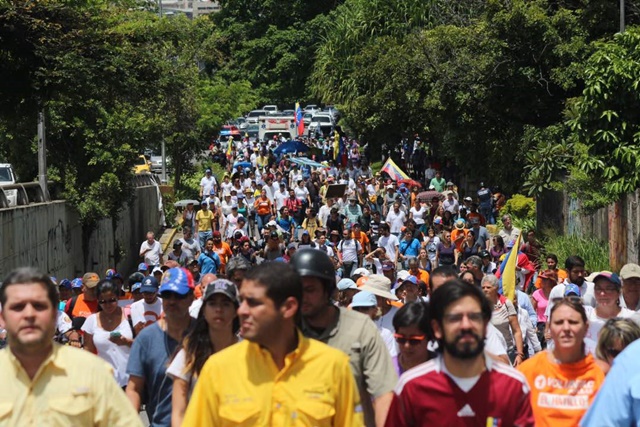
column 540, row 301
column 108, row 333
column 446, row 251
column 215, row 328
column 497, row 249
column 469, row 247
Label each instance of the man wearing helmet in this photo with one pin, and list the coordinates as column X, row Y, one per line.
column 352, row 332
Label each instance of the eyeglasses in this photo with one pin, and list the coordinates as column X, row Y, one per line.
column 172, row 295
column 411, row 339
column 605, row 290
column 457, row 317
column 108, row 301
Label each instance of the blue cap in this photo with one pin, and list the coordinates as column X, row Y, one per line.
column 143, row 267
column 345, row 284
column 65, row 283
column 364, row 299
column 136, row 286
column 76, row 283
column 178, row 280
column 149, row 284
column 54, row 280
column 571, row 289
column 110, row 273
column 412, row 279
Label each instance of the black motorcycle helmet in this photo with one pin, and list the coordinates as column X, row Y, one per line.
column 315, row 263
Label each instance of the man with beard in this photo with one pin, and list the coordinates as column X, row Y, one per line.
column 463, row 385
column 575, row 267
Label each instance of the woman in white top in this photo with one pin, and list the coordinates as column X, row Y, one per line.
column 418, row 213
column 606, row 287
column 216, row 328
column 108, row 332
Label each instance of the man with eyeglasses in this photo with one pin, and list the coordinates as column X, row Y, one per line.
column 153, row 348
column 463, row 385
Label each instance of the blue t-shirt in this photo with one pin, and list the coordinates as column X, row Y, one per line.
column 410, row 248
column 149, row 359
column 208, row 262
column 286, row 223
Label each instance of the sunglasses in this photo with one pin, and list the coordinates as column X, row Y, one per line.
column 571, row 298
column 108, row 301
column 411, row 339
column 172, row 295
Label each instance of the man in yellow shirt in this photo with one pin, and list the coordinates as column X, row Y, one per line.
column 204, row 222
column 276, row 376
column 46, row 384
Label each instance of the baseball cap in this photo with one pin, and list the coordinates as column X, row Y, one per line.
column 178, row 280
column 177, row 244
column 216, row 234
column 361, row 271
column 468, row 199
column 224, row 287
column 345, row 284
column 379, row 285
column 208, row 170
column 109, row 273
column 241, row 218
column 364, row 299
column 76, row 283
column 630, row 270
column 204, row 202
column 571, row 288
column 136, row 286
column 157, row 269
column 292, row 246
column 611, row 277
column 149, row 284
column 143, row 267
column 485, row 254
column 460, row 224
column 90, row 280
column 402, row 275
column 437, row 220
column 65, row 283
column 272, row 224
column 388, row 265
column 549, row 274
column 274, row 234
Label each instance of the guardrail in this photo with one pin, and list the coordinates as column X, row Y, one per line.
column 28, row 192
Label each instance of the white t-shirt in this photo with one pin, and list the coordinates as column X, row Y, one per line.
column 151, row 257
column 396, row 220
column 596, row 323
column 116, row 355
column 349, row 250
column 386, row 321
column 280, row 197
column 301, row 193
column 389, row 341
column 389, row 244
column 418, row 214
column 144, row 313
column 323, row 214
column 176, row 370
column 207, row 184
column 586, row 291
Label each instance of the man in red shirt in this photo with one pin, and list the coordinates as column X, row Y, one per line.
column 462, row 386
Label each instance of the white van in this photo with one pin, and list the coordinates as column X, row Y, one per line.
column 8, row 177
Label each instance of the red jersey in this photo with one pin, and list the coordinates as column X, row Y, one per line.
column 427, row 396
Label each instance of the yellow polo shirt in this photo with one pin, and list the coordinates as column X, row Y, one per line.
column 72, row 388
column 242, row 386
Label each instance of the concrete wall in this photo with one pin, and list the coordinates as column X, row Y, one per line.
column 559, row 212
column 48, row 236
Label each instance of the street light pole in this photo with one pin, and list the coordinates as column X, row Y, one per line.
column 163, row 177
column 42, row 156
column 621, row 16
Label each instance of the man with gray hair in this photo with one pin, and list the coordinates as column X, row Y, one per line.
column 509, row 233
column 474, row 265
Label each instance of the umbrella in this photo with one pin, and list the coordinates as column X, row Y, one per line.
column 243, row 164
column 410, row 183
column 184, row 203
column 429, row 195
column 290, row 147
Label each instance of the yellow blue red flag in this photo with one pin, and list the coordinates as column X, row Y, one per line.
column 508, row 275
column 393, row 170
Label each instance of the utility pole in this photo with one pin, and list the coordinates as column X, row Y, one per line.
column 163, row 177
column 42, row 156
column 622, row 16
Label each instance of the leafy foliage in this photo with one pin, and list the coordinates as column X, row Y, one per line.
column 520, row 206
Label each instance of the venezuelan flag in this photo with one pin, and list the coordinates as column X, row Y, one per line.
column 299, row 119
column 508, row 277
column 336, row 145
column 393, row 170
column 229, row 147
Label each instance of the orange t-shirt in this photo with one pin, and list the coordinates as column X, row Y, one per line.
column 224, row 253
column 363, row 239
column 423, row 275
column 82, row 308
column 455, row 233
column 562, row 276
column 263, row 206
column 561, row 393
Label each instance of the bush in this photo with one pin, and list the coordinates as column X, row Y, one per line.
column 521, row 207
column 594, row 252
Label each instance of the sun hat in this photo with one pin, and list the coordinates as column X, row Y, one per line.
column 379, row 285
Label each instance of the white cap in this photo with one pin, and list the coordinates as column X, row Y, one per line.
column 361, row 271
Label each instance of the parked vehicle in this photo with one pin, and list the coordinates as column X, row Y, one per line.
column 142, row 164
column 270, row 109
column 306, row 118
column 271, row 126
column 229, row 131
column 253, row 131
column 8, row 177
column 288, row 113
column 241, row 122
column 156, row 163
column 321, row 123
column 253, row 116
column 311, row 108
